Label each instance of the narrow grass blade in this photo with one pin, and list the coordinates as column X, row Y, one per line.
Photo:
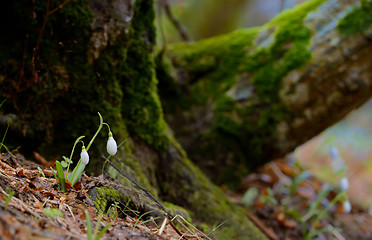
column 61, row 176
column 89, row 225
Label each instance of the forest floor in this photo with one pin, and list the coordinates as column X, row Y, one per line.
column 284, row 200
column 32, row 207
column 288, row 202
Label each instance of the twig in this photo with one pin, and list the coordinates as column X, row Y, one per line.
column 21, row 203
column 69, row 208
column 181, row 29
column 336, row 234
column 192, row 226
column 140, row 187
column 163, row 226
column 169, row 214
column 267, row 231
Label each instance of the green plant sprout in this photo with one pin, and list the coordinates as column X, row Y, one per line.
column 84, row 158
column 53, row 212
column 95, row 235
column 269, row 199
column 40, row 171
column 112, row 212
column 137, row 223
column 10, row 195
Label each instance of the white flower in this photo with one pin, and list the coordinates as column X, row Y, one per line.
column 344, row 184
column 84, row 156
column 112, row 147
column 333, row 151
column 337, row 161
column 347, row 206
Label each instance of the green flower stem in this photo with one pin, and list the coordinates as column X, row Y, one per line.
column 98, row 130
column 1, row 104
column 2, row 141
column 78, row 170
column 107, row 127
column 61, row 176
column 72, row 152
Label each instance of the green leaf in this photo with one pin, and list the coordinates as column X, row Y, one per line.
column 61, row 176
column 76, row 173
column 66, row 159
column 10, row 195
column 297, row 181
column 103, row 231
column 64, row 164
column 54, row 173
column 89, row 225
column 249, row 196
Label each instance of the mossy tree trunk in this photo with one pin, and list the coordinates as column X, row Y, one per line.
column 64, row 61
column 244, row 98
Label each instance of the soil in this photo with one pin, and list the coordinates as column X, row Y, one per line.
column 279, row 208
column 32, row 207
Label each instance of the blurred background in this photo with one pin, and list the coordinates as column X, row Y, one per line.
column 207, row 18
column 352, row 136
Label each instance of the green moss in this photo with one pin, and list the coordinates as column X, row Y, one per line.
column 358, row 20
column 206, row 202
column 259, row 57
column 215, row 62
column 104, row 197
column 178, row 210
column 142, row 109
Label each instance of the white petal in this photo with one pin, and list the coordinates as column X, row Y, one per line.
column 344, row 184
column 347, row 207
column 84, row 156
column 112, row 147
column 333, row 151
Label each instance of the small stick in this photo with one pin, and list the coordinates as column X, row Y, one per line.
column 163, row 226
column 27, row 208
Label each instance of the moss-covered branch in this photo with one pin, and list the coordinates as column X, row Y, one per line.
column 256, row 94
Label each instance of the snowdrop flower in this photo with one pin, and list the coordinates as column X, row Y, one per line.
column 347, row 206
column 337, row 161
column 344, row 184
column 333, row 151
column 84, row 156
column 112, row 147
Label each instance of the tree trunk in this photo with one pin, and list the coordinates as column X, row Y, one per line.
column 62, row 62
column 242, row 99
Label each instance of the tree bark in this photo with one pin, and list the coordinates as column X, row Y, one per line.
column 256, row 94
column 62, row 62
